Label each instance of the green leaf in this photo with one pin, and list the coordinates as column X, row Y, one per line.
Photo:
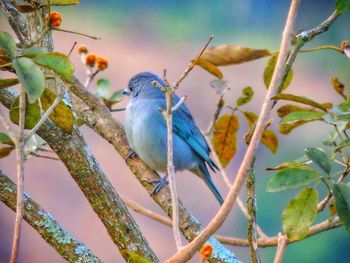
column 341, row 194
column 117, row 96
column 32, row 113
column 271, row 64
column 34, row 51
column 285, row 165
column 8, row 44
column 5, row 139
column 319, row 157
column 5, row 83
column 57, row 62
column 5, row 151
column 30, row 76
column 59, row 2
column 103, row 89
column 343, row 144
column 225, row 137
column 300, row 213
column 62, row 115
column 247, row 95
column 301, row 99
column 289, row 178
column 342, row 5
column 298, row 116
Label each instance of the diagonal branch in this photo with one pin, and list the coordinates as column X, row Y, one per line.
column 50, row 230
column 187, row 252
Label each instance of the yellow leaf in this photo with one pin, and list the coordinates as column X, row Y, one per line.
column 230, row 54
column 268, row 72
column 338, row 86
column 287, row 128
column 225, row 137
column 289, row 108
column 5, row 151
column 270, row 140
column 212, row 69
column 61, row 115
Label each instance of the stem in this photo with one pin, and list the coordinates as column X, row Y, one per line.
column 5, row 65
column 219, row 106
column 20, row 177
column 251, row 205
column 322, row 47
column 281, row 248
column 171, row 169
column 192, row 64
column 188, row 251
column 77, row 33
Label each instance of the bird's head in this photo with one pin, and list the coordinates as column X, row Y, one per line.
column 142, row 86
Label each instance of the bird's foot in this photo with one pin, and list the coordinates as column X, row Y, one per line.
column 131, row 154
column 160, row 183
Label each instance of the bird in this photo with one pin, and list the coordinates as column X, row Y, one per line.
column 146, row 132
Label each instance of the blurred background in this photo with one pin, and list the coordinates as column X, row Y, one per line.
column 152, row 35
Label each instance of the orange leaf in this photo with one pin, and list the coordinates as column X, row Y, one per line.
column 230, row 54
column 270, row 140
column 225, row 137
column 212, row 69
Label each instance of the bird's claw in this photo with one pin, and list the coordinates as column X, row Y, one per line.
column 130, row 155
column 159, row 184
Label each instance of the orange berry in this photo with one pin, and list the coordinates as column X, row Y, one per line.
column 206, row 251
column 82, row 50
column 55, row 19
column 102, row 63
column 345, row 44
column 90, row 60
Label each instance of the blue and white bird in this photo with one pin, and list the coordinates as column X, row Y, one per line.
column 146, row 131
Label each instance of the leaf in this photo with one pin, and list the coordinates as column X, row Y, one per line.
column 221, row 86
column 117, row 96
column 247, row 95
column 338, row 87
column 319, row 157
column 211, row 68
column 103, row 89
column 342, row 5
column 62, row 115
column 225, row 137
column 5, row 151
column 286, row 165
column 289, row 108
column 298, row 116
column 5, row 83
column 134, row 257
column 287, row 128
column 300, row 213
column 32, row 113
column 8, row 44
column 343, row 144
column 270, row 140
column 5, row 139
column 268, row 72
column 57, row 62
column 341, row 194
column 30, row 76
column 34, row 51
column 230, row 54
column 300, row 99
column 291, row 177
column 60, row 2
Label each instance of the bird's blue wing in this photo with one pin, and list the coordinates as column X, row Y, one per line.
column 185, row 127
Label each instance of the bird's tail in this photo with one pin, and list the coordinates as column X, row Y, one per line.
column 202, row 171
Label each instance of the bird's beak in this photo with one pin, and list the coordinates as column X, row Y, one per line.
column 126, row 92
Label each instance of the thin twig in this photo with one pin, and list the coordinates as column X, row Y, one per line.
column 20, row 177
column 117, row 110
column 192, row 64
column 76, row 33
column 90, row 76
column 188, row 251
column 281, row 248
column 72, row 48
column 219, row 106
column 59, row 97
column 46, row 157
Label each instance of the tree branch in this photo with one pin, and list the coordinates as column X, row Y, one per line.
column 281, row 248
column 188, row 251
column 48, row 228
